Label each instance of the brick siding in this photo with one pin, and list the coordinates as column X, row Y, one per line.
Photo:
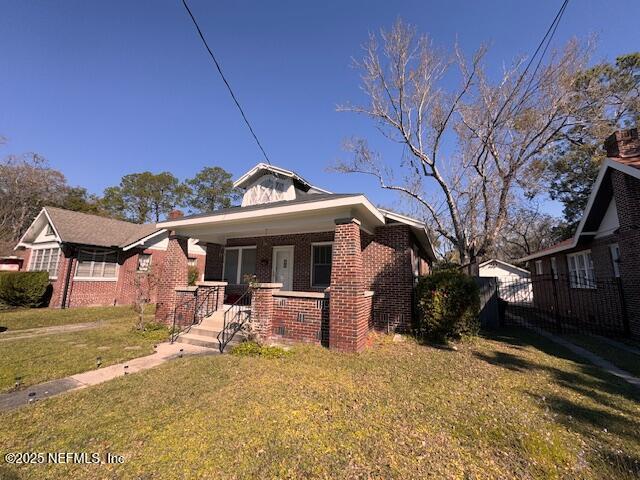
column 300, row 319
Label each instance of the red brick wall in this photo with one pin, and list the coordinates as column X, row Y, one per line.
column 626, row 190
column 172, row 275
column 311, row 327
column 388, row 272
column 348, row 321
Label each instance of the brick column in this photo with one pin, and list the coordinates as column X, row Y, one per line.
column 626, row 191
column 173, row 274
column 262, row 307
column 348, row 322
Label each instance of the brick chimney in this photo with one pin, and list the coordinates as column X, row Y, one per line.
column 175, row 214
column 623, row 144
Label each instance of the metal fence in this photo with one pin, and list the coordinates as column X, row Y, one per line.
column 564, row 304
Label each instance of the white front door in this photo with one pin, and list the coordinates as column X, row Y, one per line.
column 282, row 271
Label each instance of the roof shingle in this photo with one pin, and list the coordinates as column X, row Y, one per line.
column 87, row 229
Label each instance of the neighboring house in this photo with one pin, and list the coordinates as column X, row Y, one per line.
column 598, row 269
column 93, row 260
column 513, row 282
column 326, row 268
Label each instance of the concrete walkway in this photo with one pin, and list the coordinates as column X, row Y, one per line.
column 41, row 331
column 592, row 357
column 164, row 352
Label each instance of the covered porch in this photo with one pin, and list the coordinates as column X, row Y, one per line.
column 303, row 265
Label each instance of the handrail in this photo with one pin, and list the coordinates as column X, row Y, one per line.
column 234, row 319
column 202, row 308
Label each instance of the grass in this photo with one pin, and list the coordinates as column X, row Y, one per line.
column 509, row 407
column 619, row 357
column 48, row 317
column 48, row 357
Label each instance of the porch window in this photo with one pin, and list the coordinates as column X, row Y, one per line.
column 144, row 262
column 581, row 273
column 45, row 260
column 615, row 259
column 554, row 268
column 538, row 267
column 239, row 264
column 321, row 264
column 97, row 265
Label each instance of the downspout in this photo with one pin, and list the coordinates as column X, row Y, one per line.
column 65, row 291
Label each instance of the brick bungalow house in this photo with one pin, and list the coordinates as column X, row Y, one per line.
column 325, row 268
column 92, row 260
column 598, row 269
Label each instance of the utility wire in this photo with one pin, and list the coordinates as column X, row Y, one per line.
column 204, row 41
column 550, row 33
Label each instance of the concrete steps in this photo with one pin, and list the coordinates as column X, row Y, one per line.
column 205, row 333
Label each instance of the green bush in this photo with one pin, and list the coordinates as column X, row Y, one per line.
column 192, row 275
column 448, row 304
column 24, row 289
column 253, row 349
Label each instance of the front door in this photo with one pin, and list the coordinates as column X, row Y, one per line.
column 282, row 271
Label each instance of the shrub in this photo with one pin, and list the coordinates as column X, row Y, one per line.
column 192, row 275
column 24, row 289
column 448, row 304
column 253, row 349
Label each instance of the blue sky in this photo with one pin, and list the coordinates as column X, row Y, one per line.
column 102, row 89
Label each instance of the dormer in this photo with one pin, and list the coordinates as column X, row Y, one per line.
column 266, row 184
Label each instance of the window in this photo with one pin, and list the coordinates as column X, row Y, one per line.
column 97, row 264
column 239, row 263
column 321, row 255
column 554, row 268
column 538, row 267
column 45, row 260
column 581, row 274
column 615, row 259
column 144, row 262
column 192, row 262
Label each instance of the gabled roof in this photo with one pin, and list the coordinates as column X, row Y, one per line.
column 260, row 168
column 595, row 206
column 86, row 229
column 504, row 264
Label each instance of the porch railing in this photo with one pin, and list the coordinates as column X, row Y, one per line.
column 235, row 317
column 194, row 309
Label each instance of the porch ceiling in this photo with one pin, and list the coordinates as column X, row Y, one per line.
column 275, row 221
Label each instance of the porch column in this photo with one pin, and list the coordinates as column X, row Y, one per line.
column 262, row 308
column 173, row 274
column 348, row 322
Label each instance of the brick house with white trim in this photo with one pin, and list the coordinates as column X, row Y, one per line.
column 93, row 260
column 605, row 247
column 325, row 268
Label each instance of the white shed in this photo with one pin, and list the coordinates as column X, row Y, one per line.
column 514, row 283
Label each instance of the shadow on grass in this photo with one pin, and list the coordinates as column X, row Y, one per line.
column 8, row 473
column 603, row 416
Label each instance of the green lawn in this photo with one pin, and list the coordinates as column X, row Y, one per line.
column 508, row 407
column 48, row 317
column 48, row 357
column 621, row 358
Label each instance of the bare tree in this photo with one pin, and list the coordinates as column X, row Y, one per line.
column 527, row 230
column 145, row 285
column 470, row 153
column 26, row 185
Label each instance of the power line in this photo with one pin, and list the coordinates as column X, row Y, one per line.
column 204, row 41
